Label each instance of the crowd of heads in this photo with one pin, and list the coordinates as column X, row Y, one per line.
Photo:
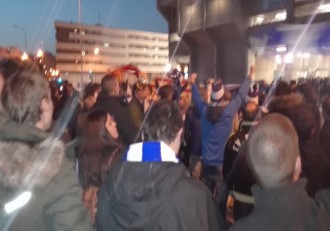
column 273, row 146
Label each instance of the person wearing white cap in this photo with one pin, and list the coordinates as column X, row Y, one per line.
column 217, row 122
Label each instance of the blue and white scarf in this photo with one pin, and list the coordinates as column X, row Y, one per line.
column 150, row 152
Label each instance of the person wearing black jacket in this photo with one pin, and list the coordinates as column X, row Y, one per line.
column 325, row 130
column 109, row 100
column 237, row 175
column 193, row 133
column 151, row 189
column 281, row 202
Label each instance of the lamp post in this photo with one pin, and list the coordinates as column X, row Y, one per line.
column 24, row 31
column 96, row 53
column 81, row 51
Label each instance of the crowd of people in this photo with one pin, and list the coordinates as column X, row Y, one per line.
column 132, row 156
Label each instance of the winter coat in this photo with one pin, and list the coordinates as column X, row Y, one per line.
column 325, row 136
column 155, row 196
column 29, row 161
column 215, row 135
column 234, row 144
column 136, row 110
column 315, row 166
column 193, row 131
column 114, row 105
column 287, row 208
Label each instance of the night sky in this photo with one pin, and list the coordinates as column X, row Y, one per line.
column 38, row 16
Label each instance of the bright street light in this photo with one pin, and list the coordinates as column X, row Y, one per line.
column 288, row 58
column 281, row 49
column 40, row 53
column 278, row 59
column 96, row 51
column 24, row 56
column 167, row 67
column 260, row 19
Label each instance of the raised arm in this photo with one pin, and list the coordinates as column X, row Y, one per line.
column 195, row 94
column 243, row 90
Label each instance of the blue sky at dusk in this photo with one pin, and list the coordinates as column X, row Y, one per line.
column 38, row 16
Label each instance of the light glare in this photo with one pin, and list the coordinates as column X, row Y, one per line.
column 18, row 202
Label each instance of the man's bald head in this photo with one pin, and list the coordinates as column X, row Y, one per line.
column 273, row 150
column 110, row 85
column 250, row 111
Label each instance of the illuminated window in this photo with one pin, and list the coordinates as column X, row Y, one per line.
column 276, row 16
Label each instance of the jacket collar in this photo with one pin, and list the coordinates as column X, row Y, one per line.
column 29, row 157
column 246, row 123
column 276, row 198
column 150, row 152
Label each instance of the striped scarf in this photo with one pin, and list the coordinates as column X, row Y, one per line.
column 150, row 152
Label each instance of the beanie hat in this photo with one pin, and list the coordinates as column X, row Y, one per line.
column 253, row 94
column 217, row 91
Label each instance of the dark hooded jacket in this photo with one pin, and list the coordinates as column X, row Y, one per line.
column 287, row 208
column 325, row 137
column 155, row 196
column 193, row 131
column 30, row 161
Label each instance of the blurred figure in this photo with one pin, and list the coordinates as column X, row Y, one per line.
column 280, row 200
column 56, row 98
column 235, row 142
column 325, row 131
column 282, row 88
column 36, row 163
column 92, row 89
column 216, row 127
column 110, row 101
column 193, row 135
column 184, row 151
column 283, row 103
column 235, row 175
column 166, row 92
column 89, row 99
column 98, row 151
column 136, row 105
column 150, row 189
column 10, row 67
column 314, row 162
column 293, row 86
column 308, row 92
column 73, row 99
column 253, row 95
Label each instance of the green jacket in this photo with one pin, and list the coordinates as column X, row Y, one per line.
column 31, row 161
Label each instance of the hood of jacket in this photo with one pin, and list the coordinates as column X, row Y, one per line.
column 28, row 158
column 140, row 192
column 283, row 103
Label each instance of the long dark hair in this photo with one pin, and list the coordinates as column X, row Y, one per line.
column 213, row 113
column 96, row 148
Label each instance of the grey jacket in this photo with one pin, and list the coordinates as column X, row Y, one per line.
column 30, row 162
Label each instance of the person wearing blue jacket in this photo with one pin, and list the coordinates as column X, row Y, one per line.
column 217, row 119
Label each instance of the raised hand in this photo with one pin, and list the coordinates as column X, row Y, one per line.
column 192, row 78
column 252, row 72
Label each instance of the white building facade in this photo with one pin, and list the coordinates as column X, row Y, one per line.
column 95, row 50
